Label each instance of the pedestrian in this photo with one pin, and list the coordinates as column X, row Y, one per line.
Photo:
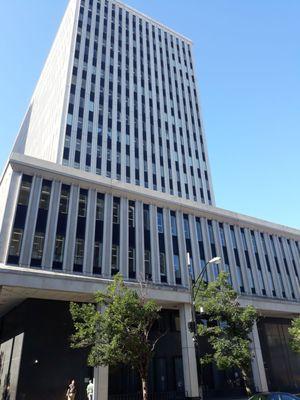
column 71, row 392
column 90, row 390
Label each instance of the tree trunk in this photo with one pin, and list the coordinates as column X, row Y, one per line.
column 246, row 381
column 145, row 386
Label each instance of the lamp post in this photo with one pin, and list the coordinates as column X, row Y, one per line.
column 194, row 289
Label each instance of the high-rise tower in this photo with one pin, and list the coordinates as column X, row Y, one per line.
column 118, row 98
column 110, row 173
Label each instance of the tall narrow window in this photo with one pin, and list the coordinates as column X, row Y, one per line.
column 147, row 243
column 277, row 267
column 237, row 260
column 201, row 247
column 258, row 264
column 188, row 244
column 41, row 224
column 176, row 263
column 115, row 259
column 59, row 247
column 215, row 267
column 80, row 231
column 225, row 252
column 115, row 262
column 247, row 257
column 286, row 267
column 271, row 280
column 161, row 243
column 131, row 240
column 98, row 244
column 19, row 222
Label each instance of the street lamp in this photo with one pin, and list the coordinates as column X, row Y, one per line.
column 192, row 325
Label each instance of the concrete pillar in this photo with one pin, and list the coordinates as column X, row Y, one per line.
column 8, row 210
column 90, row 233
column 188, row 353
column 258, row 369
column 101, row 383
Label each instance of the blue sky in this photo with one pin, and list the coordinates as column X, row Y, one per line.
column 248, row 67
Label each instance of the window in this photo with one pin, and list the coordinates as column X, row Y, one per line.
column 211, row 232
column 82, row 204
column 176, row 265
column 98, row 254
column 131, row 259
column 115, row 258
column 45, row 195
column 79, row 251
column 146, row 218
column 15, row 243
column 64, row 199
column 173, row 224
column 24, row 192
column 147, row 260
column 59, row 248
column 116, row 212
column 160, row 222
column 100, row 209
column 162, row 259
column 38, row 246
column 131, row 215
column 186, row 227
column 198, row 230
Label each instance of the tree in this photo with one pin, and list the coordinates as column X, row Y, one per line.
column 122, row 333
column 294, row 331
column 227, row 326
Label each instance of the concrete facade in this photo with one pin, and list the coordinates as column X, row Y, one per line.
column 110, row 173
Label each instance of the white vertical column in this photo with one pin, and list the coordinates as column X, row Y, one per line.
column 195, row 247
column 263, row 263
column 207, row 248
column 90, row 233
column 241, row 253
column 168, row 247
column 51, row 226
column 101, row 383
column 124, row 237
column 71, row 229
column 154, row 245
column 107, row 235
column 282, row 268
column 182, row 249
column 232, row 265
column 139, row 242
column 30, row 224
column 188, row 353
column 252, row 261
column 258, row 369
column 8, row 214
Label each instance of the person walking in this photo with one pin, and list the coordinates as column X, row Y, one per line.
column 71, row 392
column 90, row 390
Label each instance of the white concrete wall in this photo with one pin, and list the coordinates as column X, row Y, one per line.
column 4, row 188
column 42, row 126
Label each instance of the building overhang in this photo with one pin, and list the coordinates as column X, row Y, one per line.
column 18, row 284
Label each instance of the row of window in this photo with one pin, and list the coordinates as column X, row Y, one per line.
column 186, row 144
column 256, row 264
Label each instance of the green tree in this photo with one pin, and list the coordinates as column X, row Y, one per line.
column 294, row 331
column 122, row 333
column 227, row 326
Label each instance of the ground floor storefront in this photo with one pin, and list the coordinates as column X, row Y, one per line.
column 38, row 362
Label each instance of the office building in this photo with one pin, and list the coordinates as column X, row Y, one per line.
column 110, row 173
